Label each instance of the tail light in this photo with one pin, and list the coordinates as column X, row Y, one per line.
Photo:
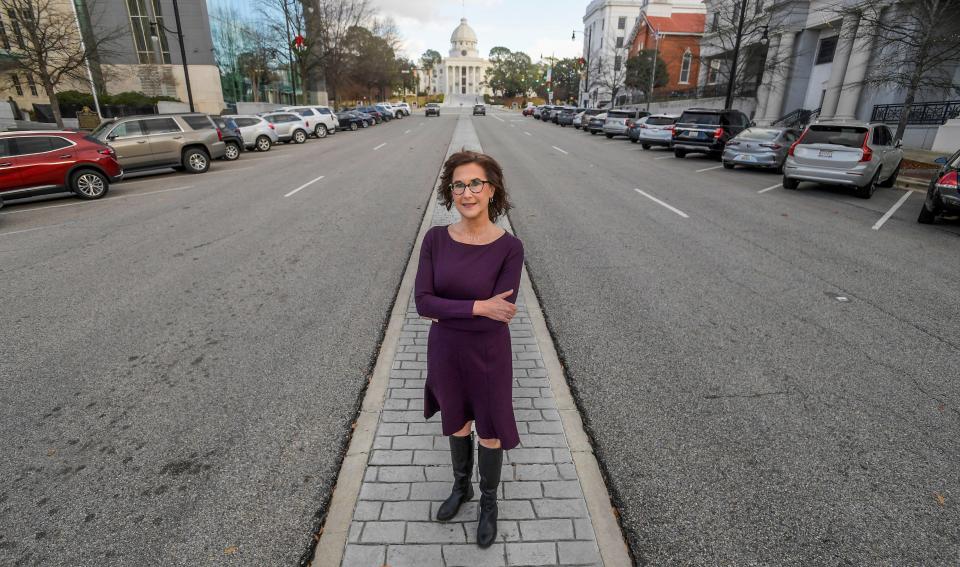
column 718, row 133
column 793, row 146
column 272, row 127
column 771, row 146
column 643, row 126
column 630, row 124
column 867, row 152
column 949, row 180
column 106, row 152
column 670, row 127
column 219, row 134
column 307, row 122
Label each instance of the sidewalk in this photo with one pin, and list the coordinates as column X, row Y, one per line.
column 552, row 502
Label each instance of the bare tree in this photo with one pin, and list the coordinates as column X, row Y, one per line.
column 917, row 44
column 328, row 23
column 49, row 44
column 608, row 71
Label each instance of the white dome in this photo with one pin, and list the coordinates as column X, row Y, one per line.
column 463, row 33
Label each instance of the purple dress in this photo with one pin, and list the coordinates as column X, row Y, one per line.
column 469, row 360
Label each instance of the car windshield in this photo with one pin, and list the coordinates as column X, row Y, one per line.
column 619, row 114
column 759, row 134
column 660, row 120
column 103, row 127
column 704, row 118
column 850, row 136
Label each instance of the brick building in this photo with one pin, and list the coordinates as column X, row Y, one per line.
column 680, row 31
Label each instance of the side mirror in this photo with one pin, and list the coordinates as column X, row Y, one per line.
column 112, row 137
column 942, row 160
column 753, row 123
column 899, row 144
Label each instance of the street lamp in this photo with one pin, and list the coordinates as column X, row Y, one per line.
column 155, row 38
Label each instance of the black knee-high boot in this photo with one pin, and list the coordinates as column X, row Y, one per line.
column 461, row 454
column 489, row 463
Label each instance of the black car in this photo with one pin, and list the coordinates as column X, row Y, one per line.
column 479, row 109
column 943, row 194
column 432, row 108
column 567, row 114
column 232, row 138
column 706, row 130
column 546, row 113
column 349, row 121
column 376, row 114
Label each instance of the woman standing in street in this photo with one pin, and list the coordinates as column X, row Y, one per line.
column 467, row 283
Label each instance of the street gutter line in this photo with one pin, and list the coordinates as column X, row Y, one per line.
column 708, row 169
column 98, row 200
column 304, row 186
column 498, row 118
column 664, row 157
column 27, row 229
column 380, row 146
column 659, row 202
column 771, row 188
column 559, row 150
column 892, row 210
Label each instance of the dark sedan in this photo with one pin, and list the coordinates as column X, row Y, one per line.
column 349, row 121
column 759, row 147
column 232, row 138
column 432, row 108
column 943, row 193
column 567, row 114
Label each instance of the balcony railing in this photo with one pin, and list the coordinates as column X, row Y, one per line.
column 929, row 113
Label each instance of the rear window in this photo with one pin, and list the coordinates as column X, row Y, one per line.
column 850, row 136
column 198, row 122
column 33, row 145
column 620, row 114
column 243, row 122
column 660, row 120
column 704, row 118
column 759, row 134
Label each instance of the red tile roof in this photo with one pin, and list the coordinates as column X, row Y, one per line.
column 679, row 23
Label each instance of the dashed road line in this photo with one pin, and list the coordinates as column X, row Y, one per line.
column 380, row 146
column 659, row 202
column 407, row 132
column 498, row 118
column 304, row 186
column 559, row 150
column 663, row 157
column 105, row 199
column 892, row 210
column 527, row 133
column 708, row 169
column 771, row 188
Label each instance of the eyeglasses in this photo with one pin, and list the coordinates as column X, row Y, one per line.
column 476, row 185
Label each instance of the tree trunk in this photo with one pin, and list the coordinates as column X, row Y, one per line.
column 54, row 102
column 907, row 105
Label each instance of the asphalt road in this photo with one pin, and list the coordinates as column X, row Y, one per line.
column 181, row 361
column 767, row 378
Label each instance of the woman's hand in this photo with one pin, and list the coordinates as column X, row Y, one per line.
column 496, row 308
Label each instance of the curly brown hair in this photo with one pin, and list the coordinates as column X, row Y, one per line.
column 501, row 200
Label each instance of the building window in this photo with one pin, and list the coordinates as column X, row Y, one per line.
column 617, row 61
column 4, row 40
column 15, row 80
column 619, row 42
column 828, row 46
column 715, row 22
column 685, row 65
column 31, row 84
column 713, row 72
column 16, row 28
column 140, row 21
column 601, row 42
column 622, row 22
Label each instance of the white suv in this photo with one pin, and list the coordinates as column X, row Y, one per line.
column 402, row 106
column 320, row 118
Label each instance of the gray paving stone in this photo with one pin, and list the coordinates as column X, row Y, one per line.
column 384, row 491
column 522, row 490
column 356, row 528
column 383, row 532
column 527, row 415
column 531, row 554
column 567, row 471
column 562, row 489
column 537, row 472
column 526, row 392
column 584, row 529
column 562, row 455
column 400, row 474
column 545, row 427
column 391, row 457
column 515, row 510
column 412, row 365
column 435, row 532
column 391, row 404
column 364, row 555
column 546, row 530
column 407, row 393
column 544, row 403
column 414, row 442
column 578, row 552
column 385, row 429
column 370, row 475
column 367, row 510
column 526, row 456
column 467, row 511
column 473, row 556
column 507, row 530
column 382, row 442
column 533, row 382
column 408, row 511
column 431, row 457
column 421, row 428
column 414, row 556
column 522, row 403
column 439, row 473
column 567, row 508
column 392, row 416
column 430, row 490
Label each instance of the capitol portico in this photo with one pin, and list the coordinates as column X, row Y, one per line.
column 460, row 76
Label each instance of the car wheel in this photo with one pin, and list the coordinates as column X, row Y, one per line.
column 299, row 137
column 232, row 152
column 353, row 126
column 926, row 215
column 196, row 160
column 593, row 133
column 609, row 136
column 263, row 144
column 89, row 184
column 890, row 181
column 563, row 125
column 869, row 189
column 633, row 140
column 727, row 165
column 320, row 131
column 789, row 183
column 679, row 153
column 645, row 146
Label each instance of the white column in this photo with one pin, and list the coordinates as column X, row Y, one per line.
column 470, row 78
column 763, row 93
column 856, row 71
column 839, row 68
column 778, row 86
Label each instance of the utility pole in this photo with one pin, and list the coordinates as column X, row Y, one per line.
column 183, row 54
column 653, row 67
column 736, row 53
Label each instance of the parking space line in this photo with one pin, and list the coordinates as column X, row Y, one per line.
column 708, row 169
column 886, row 216
column 664, row 157
column 27, row 230
column 406, row 132
column 527, row 133
column 498, row 118
column 659, row 202
column 771, row 188
column 380, row 146
column 105, row 199
column 304, row 186
column 559, row 150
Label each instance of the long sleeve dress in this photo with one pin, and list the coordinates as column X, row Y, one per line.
column 469, row 360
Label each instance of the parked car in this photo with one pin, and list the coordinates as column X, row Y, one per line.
column 232, row 137
column 759, row 147
column 371, row 112
column 854, row 154
column 387, row 113
column 595, row 124
column 615, row 123
column 431, row 109
column 566, row 115
column 321, row 118
column 537, row 111
column 653, row 130
column 349, row 121
column 706, row 130
column 186, row 141
column 479, row 109
column 291, row 127
column 258, row 134
column 42, row 162
column 402, row 109
column 581, row 119
column 547, row 112
column 528, row 110
column 368, row 119
column 943, row 194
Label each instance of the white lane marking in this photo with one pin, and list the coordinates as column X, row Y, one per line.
column 559, row 150
column 407, row 132
column 664, row 157
column 771, row 188
column 513, row 125
column 28, row 229
column 97, row 200
column 304, row 186
column 377, row 148
column 498, row 118
column 892, row 210
column 659, row 202
column 708, row 169
column 527, row 133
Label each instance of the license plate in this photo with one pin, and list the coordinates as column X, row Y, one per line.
column 744, row 157
column 826, row 153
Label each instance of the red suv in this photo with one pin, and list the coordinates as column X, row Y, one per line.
column 40, row 162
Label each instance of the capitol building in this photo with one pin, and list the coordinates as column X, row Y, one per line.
column 460, row 76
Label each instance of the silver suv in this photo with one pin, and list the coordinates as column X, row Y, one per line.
column 257, row 133
column 291, row 127
column 855, row 154
column 183, row 141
